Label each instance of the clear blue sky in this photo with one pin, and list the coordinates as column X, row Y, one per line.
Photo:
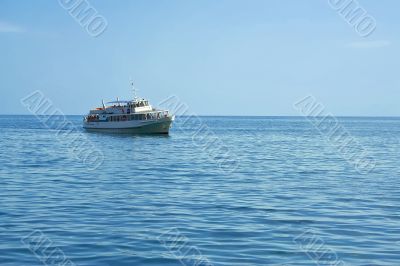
column 221, row 57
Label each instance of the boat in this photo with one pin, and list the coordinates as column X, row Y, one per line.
column 132, row 117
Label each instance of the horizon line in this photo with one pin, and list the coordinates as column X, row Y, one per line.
column 344, row 116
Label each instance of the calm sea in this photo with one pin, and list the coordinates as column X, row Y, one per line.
column 217, row 191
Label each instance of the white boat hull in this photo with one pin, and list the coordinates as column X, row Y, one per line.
column 159, row 126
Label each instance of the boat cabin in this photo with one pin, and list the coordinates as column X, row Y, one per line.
column 138, row 109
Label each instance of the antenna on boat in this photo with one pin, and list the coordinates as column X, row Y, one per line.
column 104, row 107
column 134, row 90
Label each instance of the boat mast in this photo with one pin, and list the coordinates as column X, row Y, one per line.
column 134, row 91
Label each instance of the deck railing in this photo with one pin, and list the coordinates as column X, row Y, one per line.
column 129, row 117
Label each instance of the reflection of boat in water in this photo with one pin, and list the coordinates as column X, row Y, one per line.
column 136, row 117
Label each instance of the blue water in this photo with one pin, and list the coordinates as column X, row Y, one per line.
column 154, row 196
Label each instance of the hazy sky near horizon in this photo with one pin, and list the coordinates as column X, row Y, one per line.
column 220, row 57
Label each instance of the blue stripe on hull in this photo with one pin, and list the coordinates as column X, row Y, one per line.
column 156, row 128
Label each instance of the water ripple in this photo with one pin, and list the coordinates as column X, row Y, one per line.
column 153, row 195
